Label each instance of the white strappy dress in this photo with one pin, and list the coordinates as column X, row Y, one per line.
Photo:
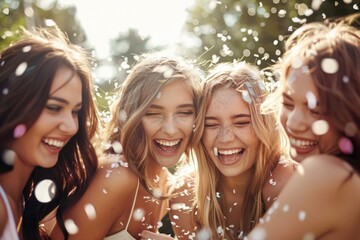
column 10, row 232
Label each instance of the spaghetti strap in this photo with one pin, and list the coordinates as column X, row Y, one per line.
column 133, row 205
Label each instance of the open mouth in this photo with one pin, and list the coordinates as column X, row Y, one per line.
column 229, row 156
column 53, row 143
column 167, row 147
column 297, row 143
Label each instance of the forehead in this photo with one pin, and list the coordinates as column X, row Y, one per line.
column 227, row 100
column 175, row 91
column 299, row 82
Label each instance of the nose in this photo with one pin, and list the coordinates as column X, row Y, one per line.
column 296, row 120
column 170, row 126
column 69, row 124
column 226, row 134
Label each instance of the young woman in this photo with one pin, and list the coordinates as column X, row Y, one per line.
column 242, row 158
column 320, row 95
column 47, row 121
column 151, row 128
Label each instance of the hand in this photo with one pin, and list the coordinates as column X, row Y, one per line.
column 147, row 235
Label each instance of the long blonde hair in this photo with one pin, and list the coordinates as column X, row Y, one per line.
column 136, row 94
column 272, row 145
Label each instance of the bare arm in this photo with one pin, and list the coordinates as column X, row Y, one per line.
column 311, row 204
column 106, row 199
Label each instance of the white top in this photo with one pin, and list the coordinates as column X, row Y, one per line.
column 10, row 232
column 124, row 234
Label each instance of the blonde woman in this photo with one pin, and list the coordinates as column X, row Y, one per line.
column 150, row 130
column 242, row 159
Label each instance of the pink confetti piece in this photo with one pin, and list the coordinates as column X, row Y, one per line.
column 346, row 145
column 19, row 131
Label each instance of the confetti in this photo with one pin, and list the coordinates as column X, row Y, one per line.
column 45, row 191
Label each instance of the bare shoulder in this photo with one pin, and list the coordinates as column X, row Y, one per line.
column 115, row 174
column 277, row 179
column 3, row 215
column 105, row 200
column 322, row 165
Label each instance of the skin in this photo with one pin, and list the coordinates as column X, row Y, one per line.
column 57, row 123
column 228, row 130
column 111, row 193
column 297, row 118
column 167, row 125
column 326, row 181
column 294, row 219
column 229, row 137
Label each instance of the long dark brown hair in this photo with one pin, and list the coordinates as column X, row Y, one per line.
column 339, row 92
column 26, row 96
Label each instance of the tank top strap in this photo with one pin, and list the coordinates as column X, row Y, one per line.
column 133, row 205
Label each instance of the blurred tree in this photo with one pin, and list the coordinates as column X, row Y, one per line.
column 252, row 30
column 29, row 14
column 11, row 17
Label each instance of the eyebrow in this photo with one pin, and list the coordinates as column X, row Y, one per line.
column 63, row 101
column 187, row 105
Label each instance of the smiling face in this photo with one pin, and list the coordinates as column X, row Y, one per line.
column 57, row 123
column 228, row 135
column 308, row 130
column 168, row 122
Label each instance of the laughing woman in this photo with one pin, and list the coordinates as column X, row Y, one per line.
column 151, row 128
column 47, row 119
column 320, row 91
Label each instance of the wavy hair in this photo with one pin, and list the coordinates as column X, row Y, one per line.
column 26, row 95
column 136, row 93
column 339, row 91
column 273, row 144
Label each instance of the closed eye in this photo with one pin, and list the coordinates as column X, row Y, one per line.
column 53, row 108
column 242, row 123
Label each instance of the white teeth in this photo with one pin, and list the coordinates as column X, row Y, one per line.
column 226, row 152
column 53, row 142
column 168, row 143
column 216, row 151
column 302, row 143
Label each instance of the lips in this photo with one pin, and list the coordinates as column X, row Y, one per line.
column 303, row 146
column 53, row 145
column 167, row 147
column 229, row 156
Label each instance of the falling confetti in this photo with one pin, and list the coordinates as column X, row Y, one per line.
column 19, row 131
column 259, row 234
column 311, row 100
column 138, row 214
column 329, row 65
column 45, row 191
column 26, row 49
column 346, row 146
column 8, row 157
column 90, row 211
column 117, row 147
column 21, row 69
column 71, row 227
column 302, row 216
column 320, row 127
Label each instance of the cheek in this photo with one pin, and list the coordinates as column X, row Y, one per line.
column 208, row 139
column 147, row 128
column 283, row 116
